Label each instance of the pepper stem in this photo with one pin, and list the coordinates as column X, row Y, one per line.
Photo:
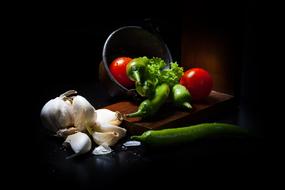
column 135, row 114
column 136, row 76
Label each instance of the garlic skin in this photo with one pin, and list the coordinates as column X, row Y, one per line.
column 67, row 114
column 79, row 142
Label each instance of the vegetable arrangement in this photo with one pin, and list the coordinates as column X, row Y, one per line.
column 157, row 83
column 72, row 117
column 149, row 73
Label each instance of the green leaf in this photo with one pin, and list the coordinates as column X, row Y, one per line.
column 155, row 73
column 172, row 75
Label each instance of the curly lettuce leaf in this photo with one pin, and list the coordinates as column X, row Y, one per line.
column 153, row 69
column 156, row 73
column 172, row 75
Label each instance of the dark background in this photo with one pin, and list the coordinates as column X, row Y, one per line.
column 67, row 48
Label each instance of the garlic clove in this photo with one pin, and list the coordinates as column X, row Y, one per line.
column 102, row 149
column 132, row 143
column 56, row 114
column 107, row 127
column 108, row 116
column 83, row 113
column 79, row 142
column 106, row 130
column 107, row 138
column 68, row 110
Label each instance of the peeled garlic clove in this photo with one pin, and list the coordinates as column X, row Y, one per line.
column 132, row 143
column 79, row 142
column 108, row 116
column 83, row 113
column 56, row 114
column 102, row 149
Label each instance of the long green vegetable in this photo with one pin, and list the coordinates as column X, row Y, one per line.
column 150, row 106
column 187, row 134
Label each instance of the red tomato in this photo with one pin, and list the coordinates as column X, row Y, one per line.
column 198, row 81
column 118, row 70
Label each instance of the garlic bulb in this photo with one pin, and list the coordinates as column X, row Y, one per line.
column 68, row 113
column 79, row 142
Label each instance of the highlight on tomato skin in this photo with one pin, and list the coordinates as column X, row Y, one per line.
column 118, row 70
column 198, row 81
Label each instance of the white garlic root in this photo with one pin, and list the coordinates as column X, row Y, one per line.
column 79, row 142
column 68, row 114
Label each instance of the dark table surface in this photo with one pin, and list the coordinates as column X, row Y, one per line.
column 218, row 161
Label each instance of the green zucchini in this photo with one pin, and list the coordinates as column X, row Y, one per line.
column 188, row 133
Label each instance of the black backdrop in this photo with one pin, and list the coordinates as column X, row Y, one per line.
column 67, row 47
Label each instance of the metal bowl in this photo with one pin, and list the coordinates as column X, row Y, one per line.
column 130, row 41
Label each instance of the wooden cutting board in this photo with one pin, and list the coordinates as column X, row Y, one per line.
column 169, row 116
